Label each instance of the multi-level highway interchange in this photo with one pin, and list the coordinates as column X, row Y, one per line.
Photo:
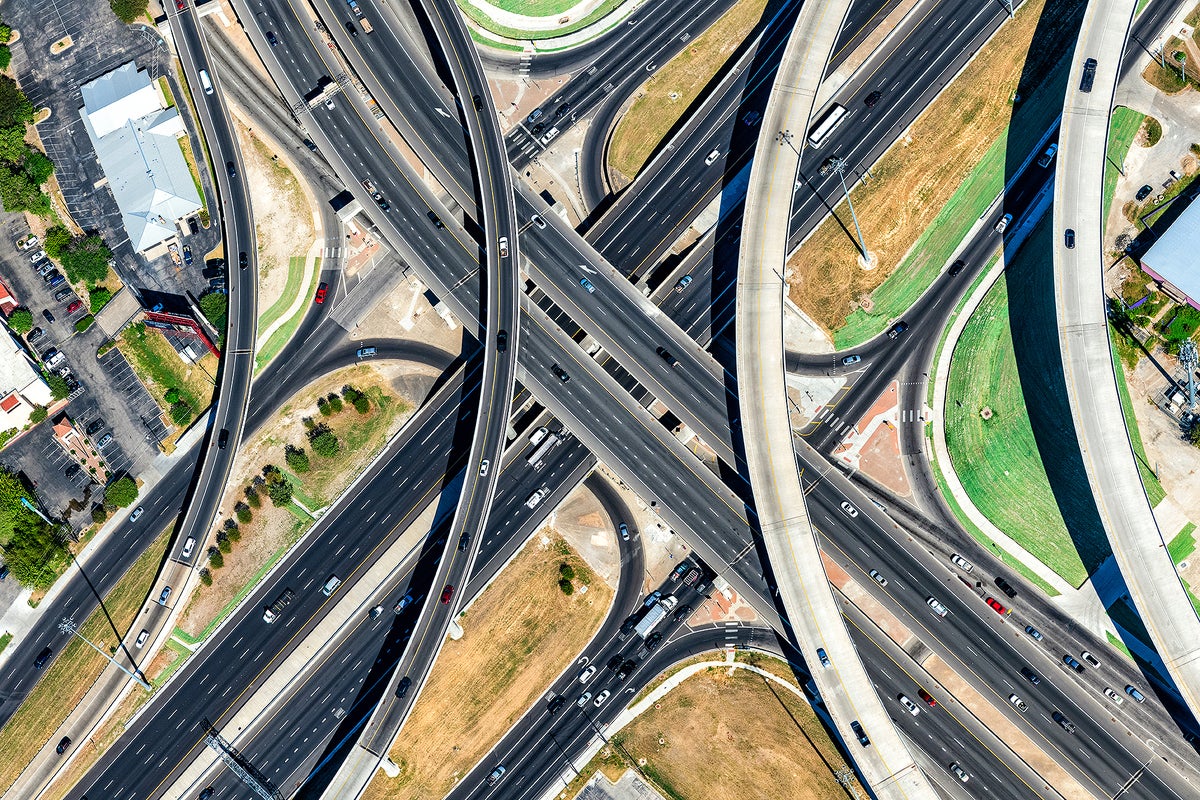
column 532, row 293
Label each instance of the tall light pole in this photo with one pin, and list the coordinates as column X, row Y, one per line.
column 68, row 626
column 838, row 165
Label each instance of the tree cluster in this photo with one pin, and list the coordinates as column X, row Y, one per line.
column 85, row 259
column 21, row 321
column 277, row 486
column 23, row 169
column 35, row 553
column 121, row 493
column 324, row 441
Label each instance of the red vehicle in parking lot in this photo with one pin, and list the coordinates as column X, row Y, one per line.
column 321, row 292
column 75, row 306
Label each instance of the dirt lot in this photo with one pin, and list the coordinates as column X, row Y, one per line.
column 273, row 529
column 484, row 682
column 718, row 735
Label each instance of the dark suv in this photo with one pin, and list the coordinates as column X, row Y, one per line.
column 860, row 733
column 42, row 658
column 1144, row 192
column 872, row 99
column 560, row 373
column 402, row 687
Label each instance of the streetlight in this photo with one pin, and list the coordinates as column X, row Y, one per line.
column 68, row 626
column 839, row 165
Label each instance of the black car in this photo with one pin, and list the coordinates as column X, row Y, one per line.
column 1005, row 586
column 63, row 744
column 860, row 733
column 223, row 439
column 1144, row 192
column 310, row 145
column 870, row 100
column 350, row 29
column 403, row 686
column 71, row 471
column 562, row 110
column 684, row 612
column 231, row 168
column 501, row 340
column 1030, row 676
column 207, row 793
column 536, row 129
column 435, row 219
column 34, row 334
column 464, row 542
column 957, row 267
column 46, row 313
column 1070, row 238
column 4, row 574
column 243, row 260
column 614, row 663
column 653, row 641
column 477, row 101
column 629, row 624
column 272, row 39
column 666, row 356
column 42, row 658
column 626, row 667
column 94, row 426
column 560, row 373
column 556, row 704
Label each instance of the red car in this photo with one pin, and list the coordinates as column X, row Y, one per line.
column 447, row 593
column 927, row 697
column 180, row 5
column 995, row 604
column 75, row 306
column 321, row 291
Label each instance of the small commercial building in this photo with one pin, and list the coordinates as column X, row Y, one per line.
column 1172, row 259
column 136, row 137
column 21, row 385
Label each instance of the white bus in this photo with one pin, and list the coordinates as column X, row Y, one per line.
column 826, row 125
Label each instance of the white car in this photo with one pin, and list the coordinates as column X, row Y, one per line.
column 909, row 705
column 875, row 576
column 713, row 156
column 483, row 467
column 1018, row 703
column 137, row 512
column 1002, row 225
column 188, row 547
column 957, row 770
column 141, row 640
column 850, row 510
column 503, row 246
column 937, row 607
column 587, row 674
column 961, row 563
column 536, row 497
column 600, row 698
column 1111, row 695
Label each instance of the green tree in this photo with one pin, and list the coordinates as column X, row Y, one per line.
column 215, row 306
column 350, row 393
column 216, row 559
column 324, row 441
column 566, row 571
column 566, row 586
column 335, row 404
column 5, row 56
column 181, row 413
column 38, row 167
column 252, row 497
column 98, row 298
column 15, row 108
column 99, row 513
column 85, row 260
column 234, row 532
column 21, row 321
column 38, row 414
column 223, row 544
column 297, row 459
column 121, row 493
column 18, row 193
column 35, row 553
column 5, row 33
column 172, row 395
column 362, row 404
column 244, row 514
column 279, row 489
column 56, row 240
column 323, row 407
column 206, row 576
column 12, row 489
column 13, row 147
column 58, row 386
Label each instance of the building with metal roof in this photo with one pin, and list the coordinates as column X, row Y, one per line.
column 1174, row 259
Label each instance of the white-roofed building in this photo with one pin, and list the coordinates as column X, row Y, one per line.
column 21, row 384
column 136, row 140
column 1173, row 258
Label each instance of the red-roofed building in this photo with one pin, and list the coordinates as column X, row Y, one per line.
column 8, row 301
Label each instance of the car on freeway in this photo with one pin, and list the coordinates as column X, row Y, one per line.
column 996, row 606
column 63, row 744
column 560, row 373
column 435, row 219
column 223, row 439
column 627, row 667
column 557, row 703
column 188, row 547
column 1018, row 703
column 614, row 663
column 498, row 772
column 366, row 352
column 464, row 542
column 1137, row 696
column 1005, row 586
column 850, row 510
column 75, row 306
column 1069, row 237
column 42, row 658
column 711, row 157
column 1002, row 225
column 483, row 467
column 882, row 581
column 857, row 727
column 937, row 607
column 403, row 686
column 957, row 267
column 503, row 246
column 600, row 698
column 585, row 283
column 537, row 220
column 961, row 563
column 376, row 612
column 1063, row 722
column 447, row 593
column 824, row 659
column 1144, row 192
column 1030, row 676
column 1111, row 695
column 683, row 612
column 683, row 283
column 653, row 641
column 909, row 705
column 164, row 595
column 137, row 512
column 583, row 699
column 272, row 39
column 587, row 674
column 1090, row 659
column 501, row 340
column 871, row 100
column 897, row 329
column 927, row 697
column 231, row 168
column 243, row 260
column 624, row 529
column 322, row 290
column 1034, row 633
column 141, row 639
column 652, row 598
column 958, row 771
column 404, row 603
column 208, row 792
column 666, row 356
column 852, row 359
column 1073, row 663
column 537, row 497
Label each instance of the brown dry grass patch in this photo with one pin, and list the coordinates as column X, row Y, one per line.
column 77, row 667
column 915, row 179
column 729, row 736
column 483, row 683
column 664, row 98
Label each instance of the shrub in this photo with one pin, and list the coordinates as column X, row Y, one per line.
column 252, row 497
column 21, row 321
column 297, row 459
column 98, row 298
column 244, row 514
column 35, row 553
column 566, row 586
column 335, row 403
column 216, row 559
column 55, row 240
column 38, row 414
column 5, row 56
column 172, row 396
column 223, row 544
column 566, row 571
column 279, row 488
column 99, row 513
column 104, row 348
column 58, row 386
column 362, row 404
column 215, row 306
column 350, row 393
column 84, row 323
column 121, row 492
column 181, row 413
column 324, row 441
column 5, row 33
column 233, row 531
column 206, row 576
column 323, row 407
column 128, row 10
